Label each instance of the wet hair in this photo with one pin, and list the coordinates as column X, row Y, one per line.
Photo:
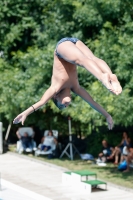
column 56, row 103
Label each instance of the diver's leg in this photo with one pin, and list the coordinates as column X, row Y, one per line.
column 101, row 64
column 71, row 53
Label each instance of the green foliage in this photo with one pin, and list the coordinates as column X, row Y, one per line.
column 29, row 31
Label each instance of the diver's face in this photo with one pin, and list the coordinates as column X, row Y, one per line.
column 64, row 102
column 64, row 98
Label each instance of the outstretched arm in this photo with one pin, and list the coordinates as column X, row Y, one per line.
column 50, row 92
column 85, row 95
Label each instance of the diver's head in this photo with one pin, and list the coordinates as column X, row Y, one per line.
column 62, row 99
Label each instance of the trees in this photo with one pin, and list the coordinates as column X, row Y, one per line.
column 29, row 31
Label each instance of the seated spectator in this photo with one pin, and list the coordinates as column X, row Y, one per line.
column 47, row 142
column 26, row 141
column 106, row 151
column 126, row 141
column 124, row 153
column 128, row 156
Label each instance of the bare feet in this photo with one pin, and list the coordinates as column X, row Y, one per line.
column 126, row 170
column 115, row 163
column 115, row 83
column 111, row 83
column 107, row 83
column 110, row 157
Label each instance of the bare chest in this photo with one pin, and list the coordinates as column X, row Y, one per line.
column 64, row 77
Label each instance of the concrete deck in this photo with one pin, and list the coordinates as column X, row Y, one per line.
column 28, row 179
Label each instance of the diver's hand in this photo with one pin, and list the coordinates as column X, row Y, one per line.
column 20, row 119
column 110, row 122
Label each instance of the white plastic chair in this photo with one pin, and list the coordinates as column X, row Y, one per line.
column 53, row 147
column 30, row 132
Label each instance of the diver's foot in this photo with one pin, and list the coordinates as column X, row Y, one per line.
column 115, row 84
column 107, row 83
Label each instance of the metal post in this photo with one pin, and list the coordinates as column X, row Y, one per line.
column 69, row 125
column 70, row 145
column 70, row 138
column 1, row 139
column 8, row 130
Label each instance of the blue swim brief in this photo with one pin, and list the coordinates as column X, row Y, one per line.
column 73, row 40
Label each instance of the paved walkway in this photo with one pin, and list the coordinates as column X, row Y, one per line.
column 14, row 192
column 28, row 179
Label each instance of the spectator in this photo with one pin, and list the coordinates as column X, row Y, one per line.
column 106, row 151
column 47, row 142
column 128, row 156
column 126, row 141
column 129, row 159
column 26, row 141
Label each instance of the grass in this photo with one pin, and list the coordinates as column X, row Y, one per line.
column 108, row 173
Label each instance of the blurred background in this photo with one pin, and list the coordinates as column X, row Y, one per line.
column 29, row 31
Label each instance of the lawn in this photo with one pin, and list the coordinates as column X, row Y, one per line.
column 108, row 173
